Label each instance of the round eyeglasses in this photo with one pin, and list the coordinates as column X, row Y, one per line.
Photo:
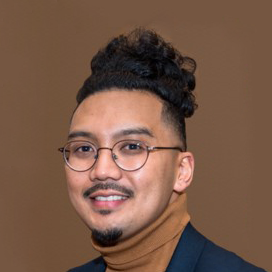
column 129, row 155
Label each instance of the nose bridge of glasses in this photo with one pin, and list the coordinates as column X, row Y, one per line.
column 107, row 148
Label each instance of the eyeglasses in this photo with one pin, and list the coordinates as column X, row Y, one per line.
column 129, row 155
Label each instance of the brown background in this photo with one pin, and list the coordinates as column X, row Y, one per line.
column 45, row 48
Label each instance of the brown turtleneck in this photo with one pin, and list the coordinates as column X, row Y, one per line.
column 152, row 248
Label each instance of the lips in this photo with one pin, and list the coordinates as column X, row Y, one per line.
column 110, row 198
column 107, row 199
column 107, row 189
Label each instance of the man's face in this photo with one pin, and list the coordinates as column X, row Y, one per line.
column 104, row 119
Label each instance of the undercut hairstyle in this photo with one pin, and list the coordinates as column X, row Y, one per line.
column 142, row 60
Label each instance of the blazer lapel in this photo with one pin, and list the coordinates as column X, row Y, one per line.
column 98, row 265
column 188, row 250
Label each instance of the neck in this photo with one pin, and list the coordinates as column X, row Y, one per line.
column 153, row 247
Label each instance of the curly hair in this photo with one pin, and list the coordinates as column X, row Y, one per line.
column 142, row 60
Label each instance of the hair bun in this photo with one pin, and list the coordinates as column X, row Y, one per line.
column 144, row 54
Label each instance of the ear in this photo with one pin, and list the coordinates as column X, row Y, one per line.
column 185, row 172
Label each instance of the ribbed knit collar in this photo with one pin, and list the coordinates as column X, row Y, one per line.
column 152, row 248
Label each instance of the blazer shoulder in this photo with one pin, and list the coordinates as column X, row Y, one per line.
column 216, row 258
column 96, row 265
column 196, row 253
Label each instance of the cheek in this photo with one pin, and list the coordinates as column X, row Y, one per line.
column 162, row 169
column 155, row 181
column 75, row 184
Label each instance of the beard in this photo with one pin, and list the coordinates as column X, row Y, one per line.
column 108, row 237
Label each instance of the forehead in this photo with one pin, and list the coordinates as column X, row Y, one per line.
column 107, row 112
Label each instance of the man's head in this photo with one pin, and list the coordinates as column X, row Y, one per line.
column 139, row 91
column 142, row 60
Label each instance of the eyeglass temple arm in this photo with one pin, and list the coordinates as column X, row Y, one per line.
column 151, row 148
column 61, row 149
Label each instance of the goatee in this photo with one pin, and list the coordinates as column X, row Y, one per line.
column 107, row 237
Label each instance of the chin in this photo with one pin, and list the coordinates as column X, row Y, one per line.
column 108, row 237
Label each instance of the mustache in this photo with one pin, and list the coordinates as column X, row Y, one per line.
column 106, row 186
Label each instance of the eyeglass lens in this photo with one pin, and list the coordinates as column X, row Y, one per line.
column 129, row 155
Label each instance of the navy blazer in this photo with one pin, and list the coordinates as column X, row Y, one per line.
column 194, row 253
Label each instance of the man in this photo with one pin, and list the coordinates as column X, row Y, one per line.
column 127, row 163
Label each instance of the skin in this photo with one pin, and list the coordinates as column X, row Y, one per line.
column 102, row 118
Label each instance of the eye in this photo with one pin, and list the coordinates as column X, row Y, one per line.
column 131, row 148
column 84, row 148
column 81, row 149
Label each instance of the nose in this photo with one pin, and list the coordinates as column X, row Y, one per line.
column 105, row 168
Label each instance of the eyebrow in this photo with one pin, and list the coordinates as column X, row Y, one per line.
column 123, row 132
column 134, row 131
column 76, row 134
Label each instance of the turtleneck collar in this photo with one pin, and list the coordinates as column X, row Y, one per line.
column 152, row 248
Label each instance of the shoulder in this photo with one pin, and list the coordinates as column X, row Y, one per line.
column 97, row 264
column 216, row 258
column 196, row 253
